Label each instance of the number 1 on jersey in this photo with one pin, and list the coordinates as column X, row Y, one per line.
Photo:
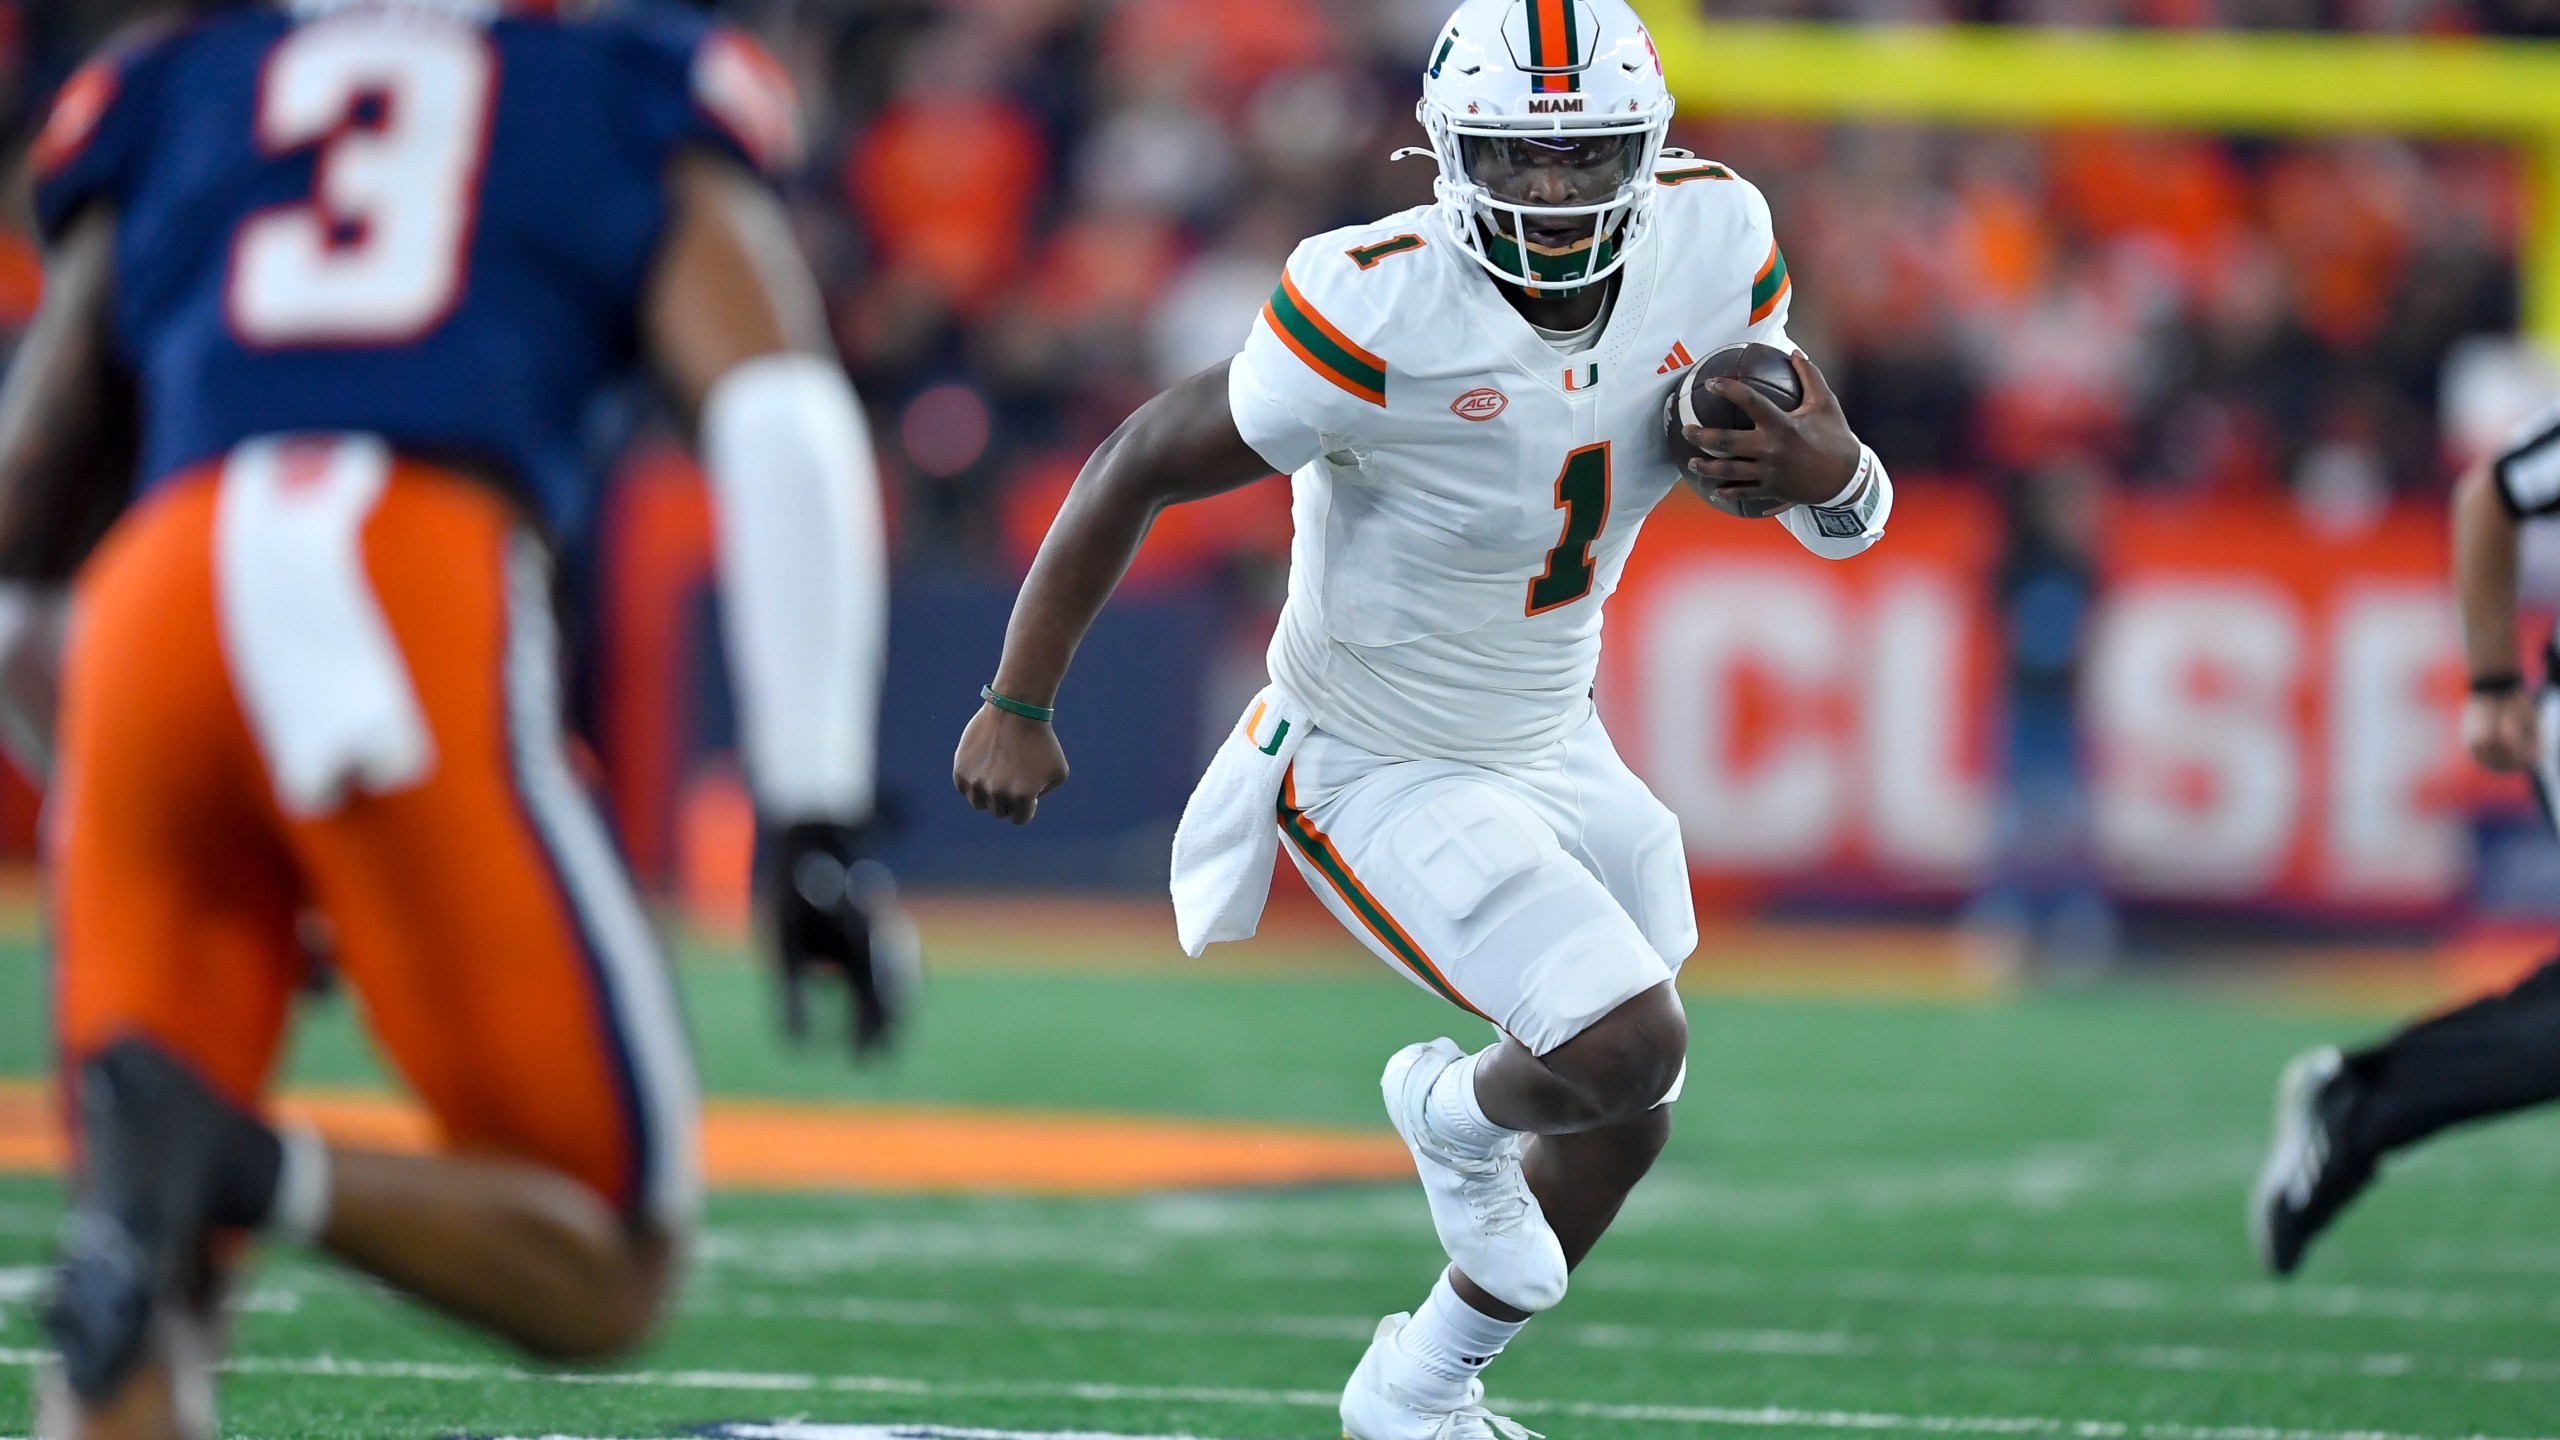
column 1582, row 493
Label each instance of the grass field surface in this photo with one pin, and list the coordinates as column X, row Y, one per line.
column 1976, row 1217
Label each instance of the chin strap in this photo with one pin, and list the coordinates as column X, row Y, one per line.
column 1568, row 271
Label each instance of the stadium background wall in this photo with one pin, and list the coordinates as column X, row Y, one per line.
column 2270, row 710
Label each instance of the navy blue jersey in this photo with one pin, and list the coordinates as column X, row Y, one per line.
column 397, row 220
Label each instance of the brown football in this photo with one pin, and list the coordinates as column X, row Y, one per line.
column 1764, row 368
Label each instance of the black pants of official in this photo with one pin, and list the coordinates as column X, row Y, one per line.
column 2491, row 1057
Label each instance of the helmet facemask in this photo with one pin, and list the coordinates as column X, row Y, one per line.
column 1553, row 207
column 1548, row 206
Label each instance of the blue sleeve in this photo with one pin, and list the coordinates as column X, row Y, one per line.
column 699, row 83
column 96, row 136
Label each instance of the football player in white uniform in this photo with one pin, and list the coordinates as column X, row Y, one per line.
column 1468, row 398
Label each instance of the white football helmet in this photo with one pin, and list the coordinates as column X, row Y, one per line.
column 1564, row 94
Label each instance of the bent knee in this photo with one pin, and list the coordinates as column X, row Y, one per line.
column 1625, row 1064
column 612, row 1323
column 623, row 1275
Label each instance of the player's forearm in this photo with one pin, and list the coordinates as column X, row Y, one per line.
column 1182, row 445
column 1088, row 548
column 804, row 578
column 2484, row 568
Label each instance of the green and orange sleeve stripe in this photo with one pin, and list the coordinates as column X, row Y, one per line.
column 1321, row 852
column 1769, row 286
column 1327, row 351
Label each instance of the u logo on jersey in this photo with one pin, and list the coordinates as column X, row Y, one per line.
column 1582, row 377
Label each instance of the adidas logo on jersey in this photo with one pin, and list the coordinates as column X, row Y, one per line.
column 1678, row 359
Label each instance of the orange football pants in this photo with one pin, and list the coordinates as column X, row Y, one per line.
column 482, row 916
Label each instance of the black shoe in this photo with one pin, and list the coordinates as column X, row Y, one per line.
column 825, row 909
column 157, row 1146
column 2312, row 1172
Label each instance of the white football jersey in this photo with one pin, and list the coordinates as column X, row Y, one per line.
column 1465, row 494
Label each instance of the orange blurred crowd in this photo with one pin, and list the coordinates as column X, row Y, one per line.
column 1031, row 214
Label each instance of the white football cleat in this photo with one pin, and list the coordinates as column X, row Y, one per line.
column 1374, row 1407
column 1488, row 1221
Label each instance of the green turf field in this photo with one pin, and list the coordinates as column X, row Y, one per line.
column 1970, row 1219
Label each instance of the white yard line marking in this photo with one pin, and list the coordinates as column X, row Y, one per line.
column 2042, row 1179
column 2076, row 1292
column 1776, row 1342
column 819, row 1430
column 877, row 1247
column 1816, row 1345
column 1761, row 1417
column 290, row 1286
column 812, row 1431
column 21, row 1283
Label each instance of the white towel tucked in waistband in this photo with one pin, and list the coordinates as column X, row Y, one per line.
column 318, row 673
column 1230, row 833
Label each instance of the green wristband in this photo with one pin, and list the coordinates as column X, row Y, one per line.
column 1042, row 713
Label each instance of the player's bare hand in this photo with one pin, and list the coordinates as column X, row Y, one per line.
column 1006, row 763
column 2502, row 732
column 1803, row 456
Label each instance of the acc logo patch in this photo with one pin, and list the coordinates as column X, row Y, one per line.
column 1480, row 404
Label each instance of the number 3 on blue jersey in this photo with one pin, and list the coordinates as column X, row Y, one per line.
column 380, row 253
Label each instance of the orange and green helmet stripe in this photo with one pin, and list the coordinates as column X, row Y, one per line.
column 1321, row 853
column 1327, row 351
column 1554, row 44
column 1769, row 286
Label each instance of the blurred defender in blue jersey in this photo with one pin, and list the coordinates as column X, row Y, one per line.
column 362, row 266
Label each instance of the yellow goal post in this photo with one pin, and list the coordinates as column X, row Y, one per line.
column 2255, row 82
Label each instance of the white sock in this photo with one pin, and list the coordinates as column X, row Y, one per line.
column 1452, row 1341
column 302, row 1187
column 1456, row 1116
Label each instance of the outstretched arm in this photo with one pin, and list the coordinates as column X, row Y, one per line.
column 1182, row 445
column 735, row 323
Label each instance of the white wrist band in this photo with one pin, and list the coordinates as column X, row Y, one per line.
column 1858, row 479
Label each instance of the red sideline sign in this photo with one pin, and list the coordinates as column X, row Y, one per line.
column 2271, row 712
